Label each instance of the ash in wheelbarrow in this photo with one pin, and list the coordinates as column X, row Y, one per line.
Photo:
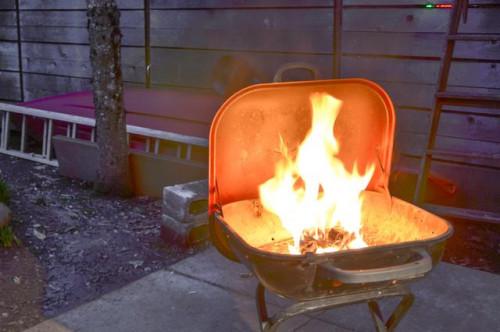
column 298, row 176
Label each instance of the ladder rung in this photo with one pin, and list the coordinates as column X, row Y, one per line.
column 468, row 214
column 434, row 152
column 467, row 99
column 474, row 37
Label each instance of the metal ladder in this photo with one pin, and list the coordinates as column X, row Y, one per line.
column 151, row 138
column 444, row 97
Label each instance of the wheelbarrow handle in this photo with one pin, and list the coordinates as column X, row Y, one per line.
column 410, row 270
column 278, row 77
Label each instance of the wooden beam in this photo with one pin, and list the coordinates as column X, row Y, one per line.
column 337, row 39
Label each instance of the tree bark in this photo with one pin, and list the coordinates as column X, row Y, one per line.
column 105, row 57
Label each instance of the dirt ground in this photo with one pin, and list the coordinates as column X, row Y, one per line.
column 475, row 245
column 77, row 245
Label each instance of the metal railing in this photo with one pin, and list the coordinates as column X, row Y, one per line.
column 152, row 138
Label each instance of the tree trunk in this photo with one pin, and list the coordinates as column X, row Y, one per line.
column 105, row 57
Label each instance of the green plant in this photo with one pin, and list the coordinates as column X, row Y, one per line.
column 4, row 193
column 7, row 237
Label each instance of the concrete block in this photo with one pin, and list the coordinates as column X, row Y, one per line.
column 183, row 234
column 187, row 202
column 150, row 173
column 77, row 158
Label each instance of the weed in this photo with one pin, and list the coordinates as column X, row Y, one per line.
column 4, row 193
column 7, row 237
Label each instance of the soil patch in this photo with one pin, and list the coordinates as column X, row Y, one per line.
column 475, row 245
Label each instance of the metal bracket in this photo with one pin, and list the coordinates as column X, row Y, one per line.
column 396, row 316
column 270, row 324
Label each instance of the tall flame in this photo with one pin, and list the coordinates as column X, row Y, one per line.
column 313, row 193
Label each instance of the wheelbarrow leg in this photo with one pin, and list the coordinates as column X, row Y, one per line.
column 396, row 316
column 260, row 297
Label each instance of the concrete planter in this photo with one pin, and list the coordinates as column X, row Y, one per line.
column 150, row 173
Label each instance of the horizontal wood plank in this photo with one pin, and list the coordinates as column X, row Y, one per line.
column 71, row 27
column 78, row 18
column 8, row 33
column 296, row 30
column 8, row 56
column 486, row 75
column 474, row 183
column 72, row 4
column 271, row 4
column 193, row 68
column 8, row 4
column 8, row 18
column 73, row 60
column 472, row 127
column 414, row 145
column 236, row 4
column 419, row 95
column 10, row 88
column 75, row 35
column 38, row 86
column 460, row 125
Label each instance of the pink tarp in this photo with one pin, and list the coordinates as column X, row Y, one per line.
column 179, row 111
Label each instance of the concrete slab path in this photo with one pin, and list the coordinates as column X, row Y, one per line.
column 206, row 292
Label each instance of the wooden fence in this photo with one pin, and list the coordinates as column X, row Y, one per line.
column 396, row 43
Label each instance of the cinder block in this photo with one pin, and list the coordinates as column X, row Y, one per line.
column 188, row 202
column 183, row 234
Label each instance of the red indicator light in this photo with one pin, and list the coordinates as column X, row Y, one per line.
column 448, row 5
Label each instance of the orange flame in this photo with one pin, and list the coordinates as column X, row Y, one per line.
column 313, row 192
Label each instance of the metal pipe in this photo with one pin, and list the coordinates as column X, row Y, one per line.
column 337, row 39
column 147, row 42
column 73, row 122
column 157, row 145
column 178, row 152
column 2, row 134
column 19, row 50
column 49, row 140
column 188, row 152
column 74, row 119
column 44, row 138
column 22, row 148
column 7, row 131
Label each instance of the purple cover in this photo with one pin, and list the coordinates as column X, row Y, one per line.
column 174, row 110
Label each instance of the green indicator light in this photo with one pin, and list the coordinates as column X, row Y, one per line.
column 429, row 5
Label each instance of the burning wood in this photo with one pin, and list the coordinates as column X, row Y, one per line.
column 257, row 208
column 312, row 192
column 335, row 239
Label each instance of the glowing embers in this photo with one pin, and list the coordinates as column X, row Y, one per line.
column 384, row 222
column 317, row 200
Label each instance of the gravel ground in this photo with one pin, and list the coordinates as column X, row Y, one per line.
column 76, row 245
